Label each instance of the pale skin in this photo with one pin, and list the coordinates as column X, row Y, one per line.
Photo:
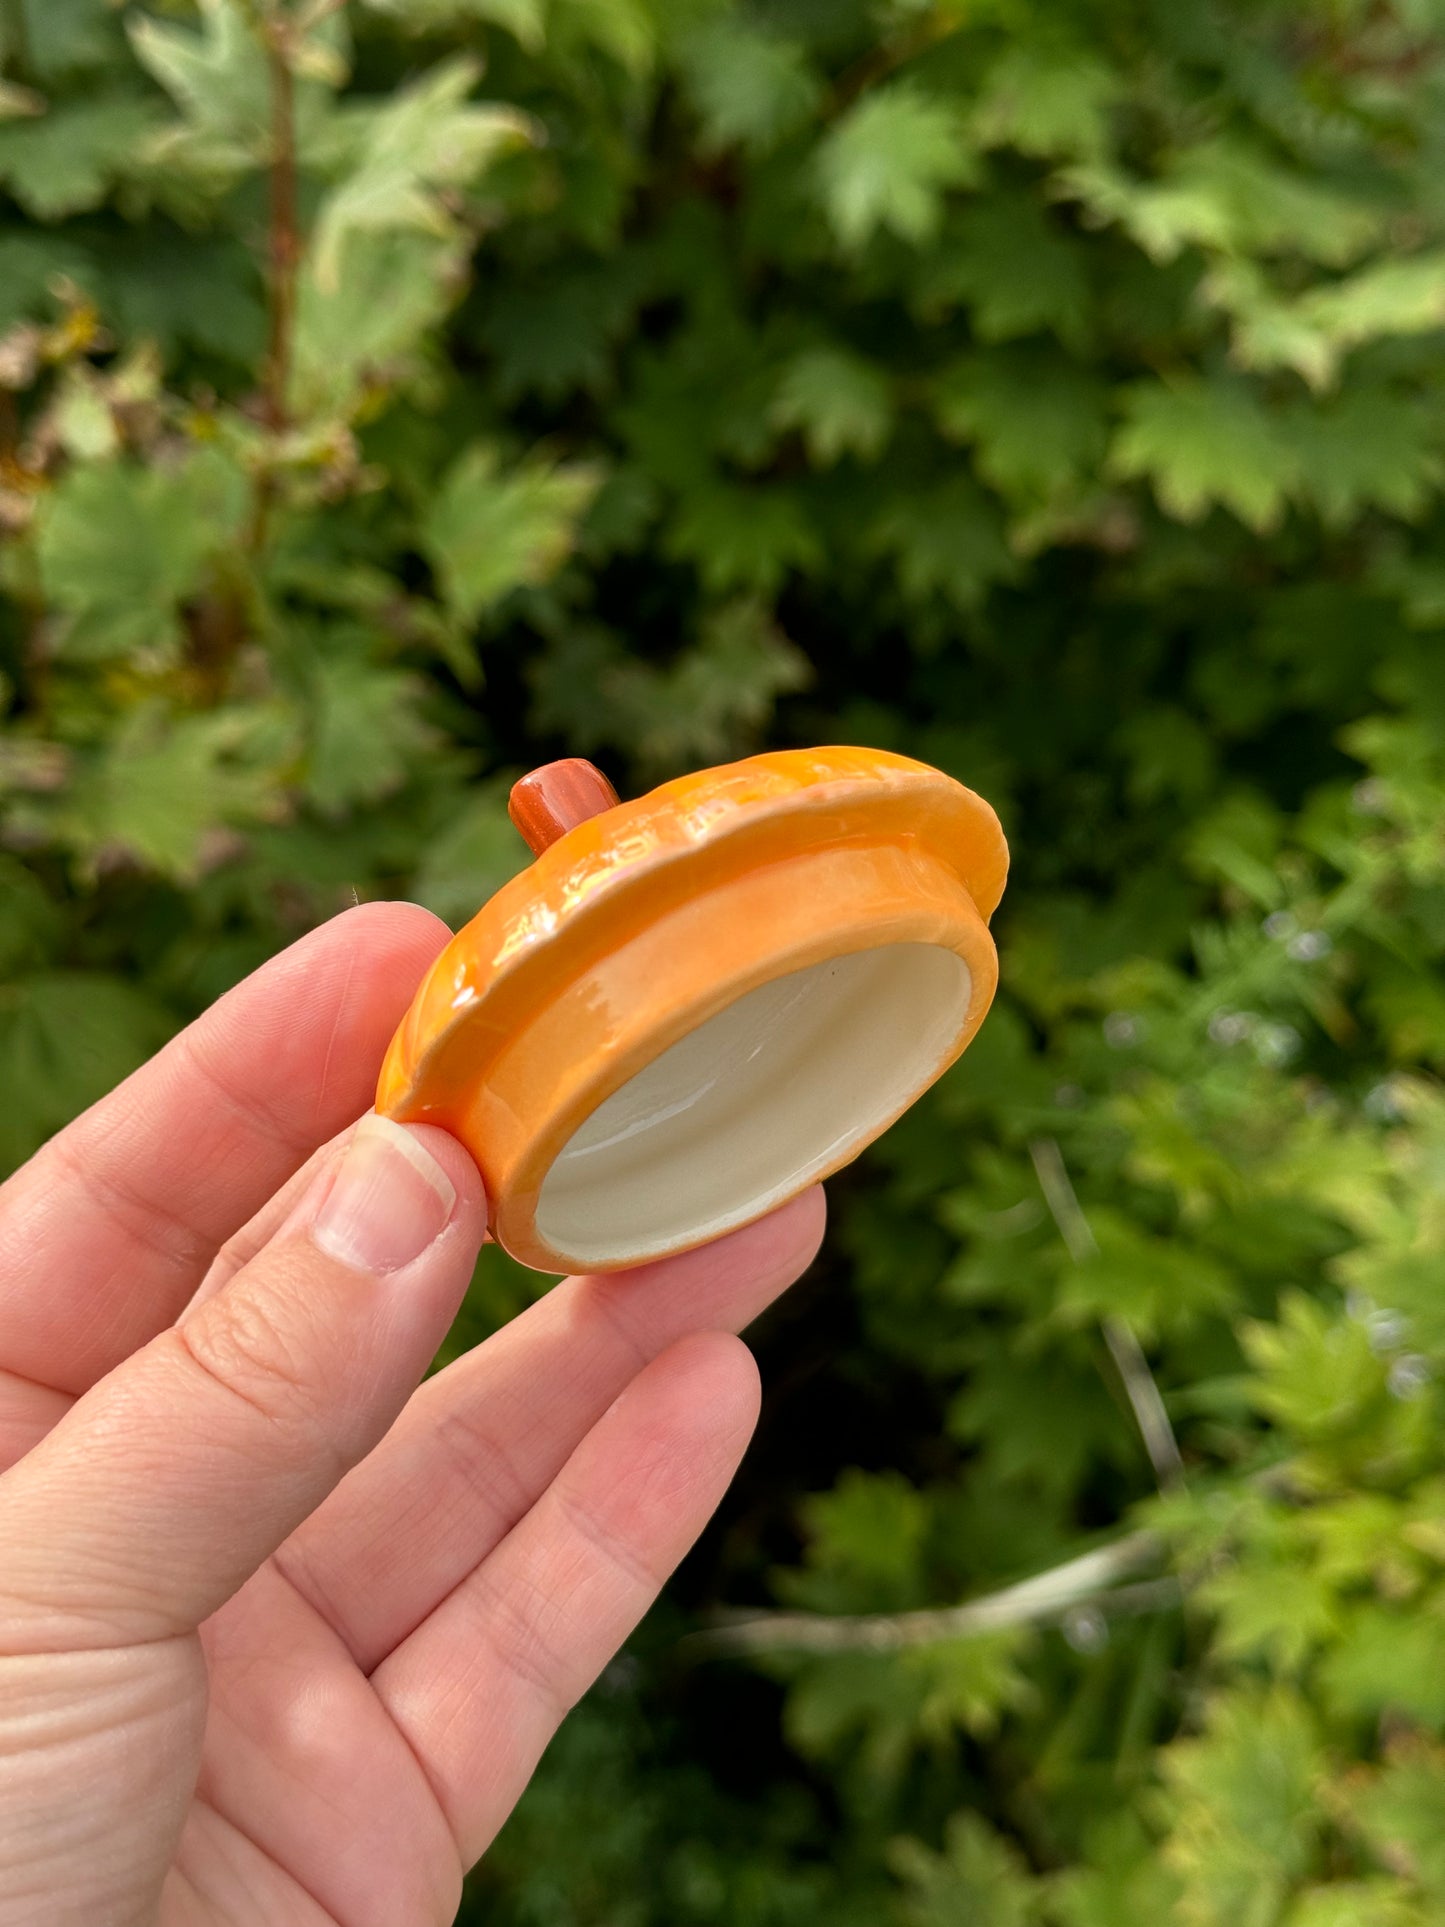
column 284, row 1631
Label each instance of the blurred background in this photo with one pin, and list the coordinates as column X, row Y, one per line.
column 396, row 395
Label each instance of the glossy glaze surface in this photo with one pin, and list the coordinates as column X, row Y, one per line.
column 637, row 927
column 556, row 798
column 745, row 1110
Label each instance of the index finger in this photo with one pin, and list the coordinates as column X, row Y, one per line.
column 108, row 1230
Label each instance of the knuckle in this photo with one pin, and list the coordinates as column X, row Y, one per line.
column 482, row 1461
column 529, row 1636
column 238, row 1250
column 256, row 1351
column 606, row 1541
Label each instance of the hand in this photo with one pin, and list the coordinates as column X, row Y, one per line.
column 282, row 1637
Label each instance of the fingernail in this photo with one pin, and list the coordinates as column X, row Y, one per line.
column 388, row 1200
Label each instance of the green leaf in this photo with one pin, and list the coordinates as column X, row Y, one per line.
column 947, row 542
column 1312, row 332
column 120, row 545
column 217, row 78
column 1268, row 331
column 1282, row 1614
column 361, row 336
column 856, row 1703
column 1229, row 195
column 68, row 160
column 1073, row 1423
column 164, row 791
column 1389, row 1665
column 525, row 20
column 842, row 404
column 491, row 530
column 1169, row 754
column 717, row 697
column 473, row 856
column 1119, row 1879
column 1047, row 102
column 1040, row 425
column 66, row 1039
column 1319, row 1376
column 29, row 921
column 887, row 165
column 62, row 40
column 1014, row 267
column 743, row 538
column 1356, row 1903
column 1371, row 448
column 1205, row 442
column 84, row 420
column 978, row 1880
column 972, row 1683
column 1244, row 1808
column 1154, row 1284
column 749, row 89
column 186, row 294
column 366, row 736
column 424, row 140
column 1398, row 1811
column 868, row 1531
column 31, row 265
column 558, row 336
column 221, row 81
column 1405, row 1279
column 1392, row 297
column 624, row 29
column 709, row 704
column 19, row 103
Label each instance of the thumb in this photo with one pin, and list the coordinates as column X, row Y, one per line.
column 169, row 1483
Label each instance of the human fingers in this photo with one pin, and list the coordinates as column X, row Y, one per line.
column 107, row 1231
column 482, row 1440
column 166, row 1485
column 28, row 1410
column 257, row 1232
column 481, row 1686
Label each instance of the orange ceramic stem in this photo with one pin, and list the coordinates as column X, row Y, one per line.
column 556, row 798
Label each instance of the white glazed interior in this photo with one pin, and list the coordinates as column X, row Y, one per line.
column 758, row 1100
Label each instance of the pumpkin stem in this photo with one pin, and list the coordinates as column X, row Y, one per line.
column 557, row 797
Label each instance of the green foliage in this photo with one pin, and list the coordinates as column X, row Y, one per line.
column 395, row 395
column 487, row 533
column 119, row 545
column 885, row 165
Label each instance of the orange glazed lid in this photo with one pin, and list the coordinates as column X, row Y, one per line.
column 692, row 1006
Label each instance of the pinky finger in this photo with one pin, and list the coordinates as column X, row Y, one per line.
column 482, row 1685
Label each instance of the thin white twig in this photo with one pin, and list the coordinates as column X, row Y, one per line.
column 1048, row 1596
column 1138, row 1381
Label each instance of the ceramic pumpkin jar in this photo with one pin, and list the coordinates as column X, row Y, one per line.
column 693, row 1005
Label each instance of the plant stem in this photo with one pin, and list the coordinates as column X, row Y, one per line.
column 283, row 255
column 1049, row 1596
column 283, row 241
column 313, row 16
column 9, row 425
column 1127, row 1353
column 886, row 58
column 17, row 32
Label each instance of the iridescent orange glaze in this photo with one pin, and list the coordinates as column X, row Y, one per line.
column 556, row 798
column 639, row 924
